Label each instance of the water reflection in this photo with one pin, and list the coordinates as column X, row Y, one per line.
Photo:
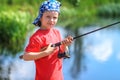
column 22, row 70
column 102, row 58
column 102, row 55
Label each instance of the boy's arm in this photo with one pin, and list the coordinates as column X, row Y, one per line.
column 37, row 55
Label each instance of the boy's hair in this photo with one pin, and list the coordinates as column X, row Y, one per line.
column 39, row 23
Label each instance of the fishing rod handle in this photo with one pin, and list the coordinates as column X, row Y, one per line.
column 56, row 44
column 60, row 43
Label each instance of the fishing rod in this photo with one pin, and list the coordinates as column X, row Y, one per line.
column 66, row 55
column 60, row 43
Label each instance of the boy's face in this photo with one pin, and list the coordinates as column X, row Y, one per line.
column 49, row 19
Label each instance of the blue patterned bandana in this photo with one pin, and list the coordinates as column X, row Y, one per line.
column 49, row 5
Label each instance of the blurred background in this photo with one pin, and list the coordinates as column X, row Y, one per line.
column 93, row 57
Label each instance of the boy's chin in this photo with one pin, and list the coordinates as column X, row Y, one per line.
column 50, row 26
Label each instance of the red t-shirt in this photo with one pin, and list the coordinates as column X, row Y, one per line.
column 49, row 67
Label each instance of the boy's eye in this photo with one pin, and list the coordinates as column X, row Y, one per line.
column 48, row 16
column 55, row 17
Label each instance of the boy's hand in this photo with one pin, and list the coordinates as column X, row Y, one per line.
column 67, row 41
column 49, row 49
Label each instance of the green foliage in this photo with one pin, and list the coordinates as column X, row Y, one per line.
column 69, row 3
column 19, row 2
column 109, row 11
column 74, row 2
column 13, row 30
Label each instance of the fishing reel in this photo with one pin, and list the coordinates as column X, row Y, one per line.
column 64, row 54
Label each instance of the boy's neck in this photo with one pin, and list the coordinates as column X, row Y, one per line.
column 42, row 28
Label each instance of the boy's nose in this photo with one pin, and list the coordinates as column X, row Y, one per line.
column 51, row 19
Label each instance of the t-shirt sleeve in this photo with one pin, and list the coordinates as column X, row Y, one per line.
column 33, row 45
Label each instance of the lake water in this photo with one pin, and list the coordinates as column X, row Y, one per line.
column 101, row 56
column 101, row 52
